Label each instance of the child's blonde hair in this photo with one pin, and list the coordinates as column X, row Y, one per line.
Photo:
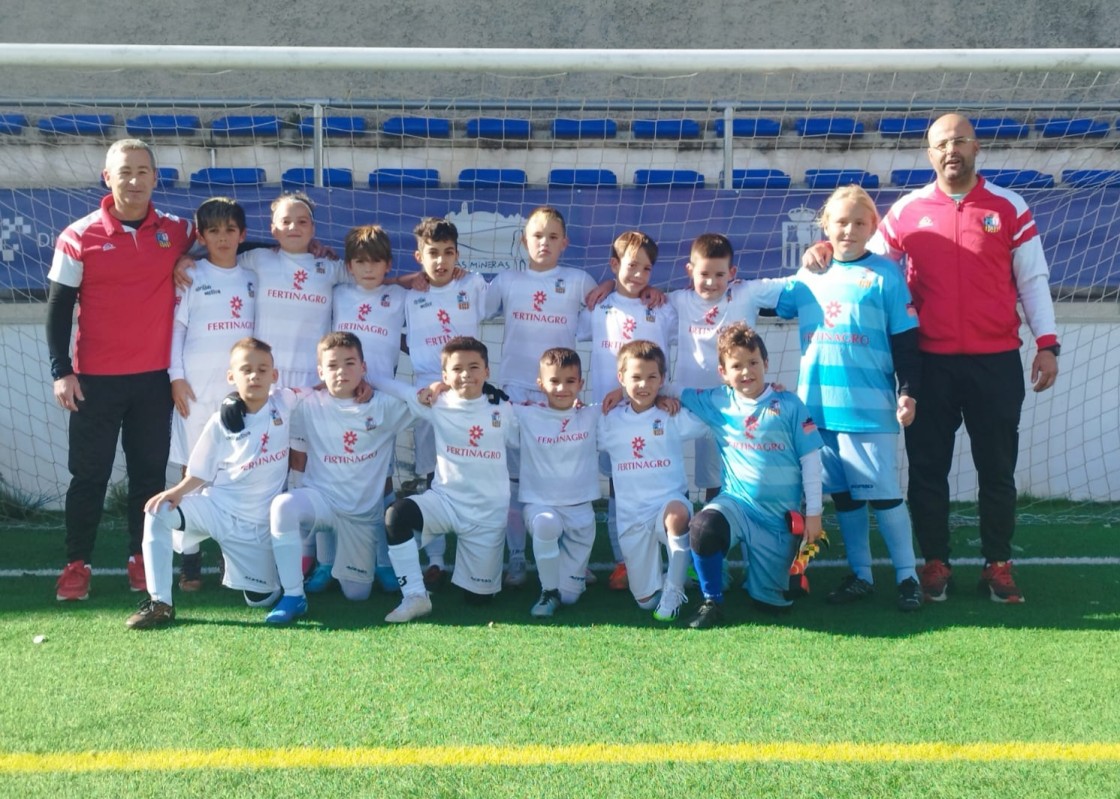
column 549, row 214
column 632, row 241
column 855, row 194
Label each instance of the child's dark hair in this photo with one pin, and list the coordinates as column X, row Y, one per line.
column 464, row 344
column 369, row 240
column 642, row 350
column 711, row 245
column 561, row 357
column 740, row 334
column 297, row 197
column 550, row 214
column 434, row 228
column 632, row 241
column 339, row 339
column 218, row 211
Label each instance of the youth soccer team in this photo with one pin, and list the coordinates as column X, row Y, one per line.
column 292, row 472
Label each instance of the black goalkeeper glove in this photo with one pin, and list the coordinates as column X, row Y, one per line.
column 232, row 413
column 494, row 394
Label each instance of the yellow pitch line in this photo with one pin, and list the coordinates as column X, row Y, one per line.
column 583, row 754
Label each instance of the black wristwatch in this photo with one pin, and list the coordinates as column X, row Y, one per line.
column 1054, row 348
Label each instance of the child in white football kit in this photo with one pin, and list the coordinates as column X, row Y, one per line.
column 770, row 449
column 858, row 330
column 372, row 310
column 714, row 300
column 240, row 462
column 619, row 319
column 447, row 307
column 345, row 447
column 559, row 480
column 210, row 316
column 645, row 445
column 470, row 493
column 540, row 308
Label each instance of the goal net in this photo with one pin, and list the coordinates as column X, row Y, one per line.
column 675, row 143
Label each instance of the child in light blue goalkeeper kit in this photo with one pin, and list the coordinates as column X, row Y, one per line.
column 858, row 331
column 770, row 451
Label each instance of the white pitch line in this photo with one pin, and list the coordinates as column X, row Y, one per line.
column 607, row 567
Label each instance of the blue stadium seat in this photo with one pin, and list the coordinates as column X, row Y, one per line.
column 582, row 177
column 748, row 127
column 491, row 178
column 163, row 125
column 166, row 177
column 833, row 178
column 999, row 128
column 412, row 178
column 904, row 127
column 912, row 178
column 760, row 179
column 248, row 126
column 301, row 177
column 214, row 176
column 829, row 128
column 674, row 178
column 12, row 124
column 1090, row 178
column 334, row 126
column 584, row 128
column 420, row 127
column 77, row 124
column 498, row 128
column 674, row 129
column 1061, row 127
column 1019, row 178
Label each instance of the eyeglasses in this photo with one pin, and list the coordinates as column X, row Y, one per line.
column 945, row 145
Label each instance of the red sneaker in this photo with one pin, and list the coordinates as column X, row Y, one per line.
column 73, row 583
column 934, row 577
column 619, row 580
column 997, row 579
column 136, row 581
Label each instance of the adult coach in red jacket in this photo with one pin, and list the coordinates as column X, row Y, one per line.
column 971, row 250
column 115, row 264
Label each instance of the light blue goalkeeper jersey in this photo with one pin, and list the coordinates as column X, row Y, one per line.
column 846, row 317
column 761, row 443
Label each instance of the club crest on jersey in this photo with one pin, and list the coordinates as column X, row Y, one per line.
column 867, row 279
column 385, row 301
column 474, row 435
column 162, row 239
column 991, row 223
column 650, row 317
column 349, row 439
column 371, row 424
column 559, row 288
column 496, row 419
column 464, row 303
column 275, row 416
column 250, row 290
column 658, row 427
column 775, row 406
column 320, row 268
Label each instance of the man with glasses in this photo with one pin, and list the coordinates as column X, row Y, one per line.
column 970, row 250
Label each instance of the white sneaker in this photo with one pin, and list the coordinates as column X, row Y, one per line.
column 516, row 573
column 413, row 606
column 670, row 604
column 546, row 606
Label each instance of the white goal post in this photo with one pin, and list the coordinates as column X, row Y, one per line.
column 358, row 127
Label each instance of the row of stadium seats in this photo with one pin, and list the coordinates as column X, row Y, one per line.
column 505, row 129
column 301, row 177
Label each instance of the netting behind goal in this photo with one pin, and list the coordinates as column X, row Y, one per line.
column 750, row 150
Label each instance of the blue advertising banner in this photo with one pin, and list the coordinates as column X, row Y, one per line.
column 769, row 228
